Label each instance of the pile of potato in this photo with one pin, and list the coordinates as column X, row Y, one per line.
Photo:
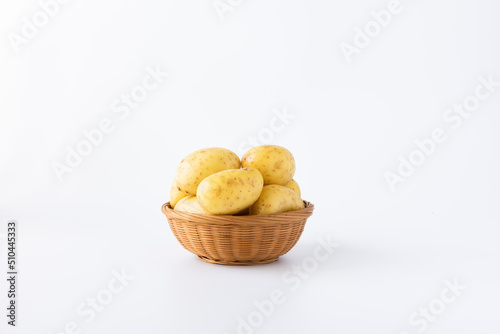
column 215, row 181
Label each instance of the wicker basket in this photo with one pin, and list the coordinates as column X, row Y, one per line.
column 238, row 240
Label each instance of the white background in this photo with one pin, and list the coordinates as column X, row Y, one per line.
column 351, row 121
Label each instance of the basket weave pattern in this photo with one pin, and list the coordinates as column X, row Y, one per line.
column 238, row 240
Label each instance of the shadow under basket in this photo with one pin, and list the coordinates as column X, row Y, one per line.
column 238, row 240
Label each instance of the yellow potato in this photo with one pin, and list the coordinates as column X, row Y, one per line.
column 190, row 204
column 202, row 163
column 294, row 186
column 275, row 163
column 176, row 194
column 230, row 191
column 243, row 212
column 274, row 199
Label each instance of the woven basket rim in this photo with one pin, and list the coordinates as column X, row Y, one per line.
column 283, row 217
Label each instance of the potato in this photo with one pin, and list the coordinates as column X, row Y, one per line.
column 202, row 163
column 275, row 163
column 190, row 204
column 274, row 199
column 243, row 212
column 176, row 194
column 294, row 186
column 230, row 191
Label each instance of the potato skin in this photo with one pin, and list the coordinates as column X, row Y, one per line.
column 275, row 163
column 202, row 163
column 294, row 186
column 275, row 199
column 190, row 204
column 230, row 191
column 176, row 194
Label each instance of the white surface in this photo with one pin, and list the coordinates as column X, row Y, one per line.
column 352, row 121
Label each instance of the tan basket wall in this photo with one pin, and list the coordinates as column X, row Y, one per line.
column 238, row 239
